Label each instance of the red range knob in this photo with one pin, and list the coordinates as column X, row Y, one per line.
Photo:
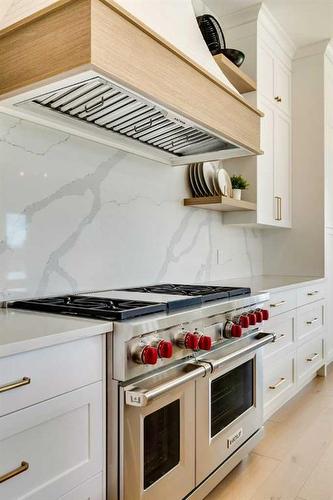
column 259, row 316
column 252, row 318
column 265, row 314
column 244, row 321
column 191, row 341
column 165, row 349
column 236, row 331
column 149, row 355
column 205, row 343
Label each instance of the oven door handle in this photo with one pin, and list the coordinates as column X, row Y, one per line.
column 261, row 340
column 134, row 396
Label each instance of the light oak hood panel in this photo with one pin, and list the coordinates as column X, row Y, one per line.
column 73, row 42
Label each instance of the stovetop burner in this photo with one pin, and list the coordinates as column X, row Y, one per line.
column 94, row 307
column 205, row 292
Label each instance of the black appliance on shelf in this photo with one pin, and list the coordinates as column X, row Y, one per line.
column 214, row 37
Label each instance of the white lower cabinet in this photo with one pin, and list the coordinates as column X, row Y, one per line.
column 90, row 490
column 298, row 320
column 53, row 448
column 59, row 439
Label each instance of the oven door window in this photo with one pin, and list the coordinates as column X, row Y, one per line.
column 161, row 442
column 231, row 395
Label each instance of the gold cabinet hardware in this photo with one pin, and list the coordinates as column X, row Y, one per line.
column 279, row 383
column 312, row 358
column 278, row 304
column 310, row 322
column 278, row 98
column 22, row 468
column 14, row 385
column 278, row 209
column 280, row 337
column 310, row 294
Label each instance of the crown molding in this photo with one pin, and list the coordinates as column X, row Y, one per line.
column 266, row 18
column 314, row 49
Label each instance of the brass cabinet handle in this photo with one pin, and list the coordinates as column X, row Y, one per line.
column 313, row 293
column 278, row 200
column 310, row 322
column 14, row 385
column 312, row 358
column 279, row 383
column 278, row 304
column 22, row 468
column 280, row 337
column 278, row 98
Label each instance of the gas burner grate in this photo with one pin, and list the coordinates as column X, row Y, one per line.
column 206, row 292
column 94, row 307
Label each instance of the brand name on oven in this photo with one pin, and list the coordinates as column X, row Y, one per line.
column 235, row 437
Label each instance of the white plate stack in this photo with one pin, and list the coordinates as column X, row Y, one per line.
column 209, row 179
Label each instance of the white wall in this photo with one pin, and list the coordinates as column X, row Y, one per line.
column 76, row 215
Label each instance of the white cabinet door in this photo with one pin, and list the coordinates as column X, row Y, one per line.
column 282, row 170
column 265, row 180
column 265, row 80
column 329, row 309
column 282, row 87
column 60, row 440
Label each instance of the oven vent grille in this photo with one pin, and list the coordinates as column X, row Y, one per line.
column 101, row 103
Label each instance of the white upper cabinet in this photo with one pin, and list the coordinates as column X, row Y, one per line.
column 269, row 174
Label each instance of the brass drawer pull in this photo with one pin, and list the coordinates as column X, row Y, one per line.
column 14, row 385
column 280, row 337
column 278, row 304
column 315, row 356
column 310, row 322
column 278, row 98
column 22, row 468
column 279, row 383
column 313, row 293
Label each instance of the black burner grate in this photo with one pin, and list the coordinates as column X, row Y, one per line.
column 94, row 307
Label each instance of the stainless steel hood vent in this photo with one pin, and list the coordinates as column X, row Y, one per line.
column 108, row 106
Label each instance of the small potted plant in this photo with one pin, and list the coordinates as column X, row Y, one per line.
column 238, row 183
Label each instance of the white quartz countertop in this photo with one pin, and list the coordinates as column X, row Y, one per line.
column 270, row 283
column 27, row 330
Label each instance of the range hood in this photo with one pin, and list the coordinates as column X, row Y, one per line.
column 90, row 68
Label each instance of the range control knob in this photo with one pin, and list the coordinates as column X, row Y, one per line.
column 145, row 355
column 189, row 340
column 236, row 331
column 265, row 314
column 232, row 330
column 205, row 342
column 244, row 321
column 252, row 319
column 165, row 349
column 259, row 316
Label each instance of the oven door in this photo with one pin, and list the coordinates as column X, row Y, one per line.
column 157, row 438
column 228, row 409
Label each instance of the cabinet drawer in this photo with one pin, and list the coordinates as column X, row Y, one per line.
column 284, row 327
column 61, row 440
column 279, row 377
column 310, row 319
column 310, row 357
column 90, row 490
column 51, row 371
column 281, row 302
column 310, row 293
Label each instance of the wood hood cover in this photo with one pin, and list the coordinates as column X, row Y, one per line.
column 90, row 68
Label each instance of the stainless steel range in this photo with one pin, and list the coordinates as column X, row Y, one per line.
column 184, row 384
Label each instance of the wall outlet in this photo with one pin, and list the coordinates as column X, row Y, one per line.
column 219, row 256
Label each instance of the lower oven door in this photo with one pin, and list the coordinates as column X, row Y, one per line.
column 228, row 410
column 157, row 442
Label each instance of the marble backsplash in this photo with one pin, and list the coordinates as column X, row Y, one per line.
column 77, row 216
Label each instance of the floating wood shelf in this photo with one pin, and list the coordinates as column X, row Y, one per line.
column 237, row 77
column 220, row 204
